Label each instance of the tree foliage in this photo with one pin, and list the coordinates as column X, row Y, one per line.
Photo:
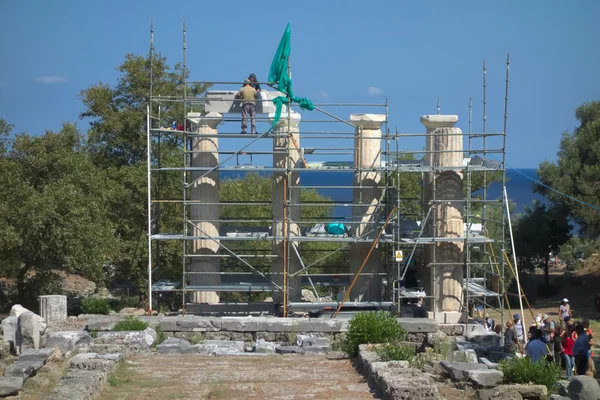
column 577, row 170
column 53, row 208
column 539, row 231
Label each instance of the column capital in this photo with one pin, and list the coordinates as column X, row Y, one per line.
column 295, row 119
column 211, row 119
column 439, row 121
column 368, row 121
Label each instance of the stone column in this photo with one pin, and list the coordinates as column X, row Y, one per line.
column 205, row 216
column 53, row 308
column 367, row 154
column 445, row 220
column 283, row 144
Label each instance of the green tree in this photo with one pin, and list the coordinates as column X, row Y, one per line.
column 117, row 143
column 53, row 210
column 577, row 170
column 539, row 231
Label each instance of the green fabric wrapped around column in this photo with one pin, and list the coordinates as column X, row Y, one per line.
column 278, row 74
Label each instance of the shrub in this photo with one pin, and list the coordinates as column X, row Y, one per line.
column 371, row 327
column 395, row 352
column 130, row 324
column 95, row 305
column 128, row 301
column 161, row 336
column 521, row 370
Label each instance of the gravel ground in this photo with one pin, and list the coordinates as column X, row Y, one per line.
column 237, row 377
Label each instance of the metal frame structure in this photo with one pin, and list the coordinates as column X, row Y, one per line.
column 478, row 267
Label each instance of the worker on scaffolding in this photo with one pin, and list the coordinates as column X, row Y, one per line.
column 247, row 94
column 254, row 83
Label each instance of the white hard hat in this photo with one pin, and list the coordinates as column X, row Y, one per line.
column 565, row 300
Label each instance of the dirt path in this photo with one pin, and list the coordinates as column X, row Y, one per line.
column 237, row 377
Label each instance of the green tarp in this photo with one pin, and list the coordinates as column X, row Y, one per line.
column 278, row 74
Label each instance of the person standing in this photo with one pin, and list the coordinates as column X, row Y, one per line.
column 591, row 365
column 247, row 95
column 536, row 349
column 510, row 338
column 519, row 328
column 567, row 354
column 254, row 83
column 488, row 322
column 581, row 350
column 564, row 310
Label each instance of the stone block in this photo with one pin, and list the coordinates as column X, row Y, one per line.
column 467, row 356
column 485, row 378
column 488, row 363
column 36, row 354
column 10, row 386
column 197, row 324
column 457, row 370
column 327, row 325
column 314, row 341
column 67, row 340
column 563, row 387
column 583, row 387
column 289, row 350
column 144, row 338
column 495, row 394
column 419, row 325
column 282, row 325
column 102, row 322
column 9, row 328
column 244, row 324
column 78, row 385
column 17, row 310
column 92, row 362
column 486, row 342
column 53, row 308
column 32, row 326
column 558, row 397
column 262, row 346
column 531, row 392
column 23, row 369
column 173, row 346
column 220, row 347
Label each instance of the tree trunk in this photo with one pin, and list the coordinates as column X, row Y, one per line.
column 21, row 282
column 546, row 269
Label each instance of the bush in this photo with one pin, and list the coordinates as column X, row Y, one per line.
column 161, row 336
column 130, row 324
column 95, row 305
column 521, row 370
column 371, row 327
column 394, row 352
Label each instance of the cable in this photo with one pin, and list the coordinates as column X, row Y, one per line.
column 597, row 208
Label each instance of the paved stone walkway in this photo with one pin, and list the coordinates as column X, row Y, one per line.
column 237, row 377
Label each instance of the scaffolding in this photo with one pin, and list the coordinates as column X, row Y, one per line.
column 398, row 221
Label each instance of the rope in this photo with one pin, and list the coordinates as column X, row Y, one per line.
column 592, row 206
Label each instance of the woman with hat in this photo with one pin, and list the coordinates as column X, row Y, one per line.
column 564, row 311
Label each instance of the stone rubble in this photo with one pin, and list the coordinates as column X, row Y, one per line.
column 10, row 386
column 67, row 340
column 144, row 338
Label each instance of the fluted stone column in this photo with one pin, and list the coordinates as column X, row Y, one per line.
column 367, row 154
column 445, row 220
column 205, row 216
column 283, row 144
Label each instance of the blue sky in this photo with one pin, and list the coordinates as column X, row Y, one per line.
column 342, row 51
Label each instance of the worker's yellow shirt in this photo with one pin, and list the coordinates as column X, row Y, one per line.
column 247, row 94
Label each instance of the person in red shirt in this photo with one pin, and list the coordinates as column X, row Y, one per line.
column 567, row 350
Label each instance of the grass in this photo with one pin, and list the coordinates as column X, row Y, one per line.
column 394, row 352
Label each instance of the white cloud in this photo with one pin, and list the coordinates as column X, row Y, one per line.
column 374, row 91
column 51, row 79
